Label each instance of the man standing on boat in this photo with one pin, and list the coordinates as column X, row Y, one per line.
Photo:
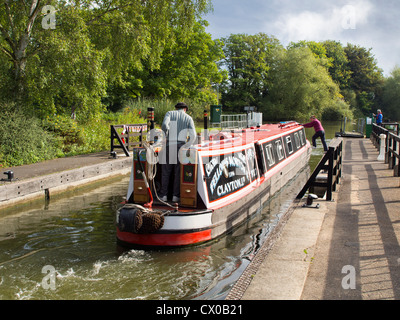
column 319, row 131
column 177, row 126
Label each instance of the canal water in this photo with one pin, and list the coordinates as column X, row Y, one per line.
column 66, row 249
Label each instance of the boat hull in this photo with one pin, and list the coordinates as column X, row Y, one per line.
column 173, row 239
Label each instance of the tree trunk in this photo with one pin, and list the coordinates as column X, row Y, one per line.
column 20, row 65
column 20, row 50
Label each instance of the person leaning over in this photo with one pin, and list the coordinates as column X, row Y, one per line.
column 319, row 131
column 177, row 126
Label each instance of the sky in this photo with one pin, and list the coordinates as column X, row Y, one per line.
column 368, row 23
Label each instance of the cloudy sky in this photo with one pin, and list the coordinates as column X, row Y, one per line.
column 368, row 23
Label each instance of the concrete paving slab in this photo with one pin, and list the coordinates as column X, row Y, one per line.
column 282, row 275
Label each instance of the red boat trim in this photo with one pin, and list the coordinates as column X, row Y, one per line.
column 164, row 239
column 181, row 213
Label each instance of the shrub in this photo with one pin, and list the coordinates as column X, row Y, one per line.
column 162, row 106
column 22, row 139
column 66, row 129
column 337, row 111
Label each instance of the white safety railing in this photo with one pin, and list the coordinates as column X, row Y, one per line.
column 240, row 121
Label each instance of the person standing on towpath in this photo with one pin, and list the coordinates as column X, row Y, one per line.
column 379, row 118
column 319, row 131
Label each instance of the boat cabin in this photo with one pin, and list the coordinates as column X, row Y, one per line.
column 220, row 170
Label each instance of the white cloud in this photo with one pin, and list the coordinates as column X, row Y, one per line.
column 331, row 23
column 368, row 23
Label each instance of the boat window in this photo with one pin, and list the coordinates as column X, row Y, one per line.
column 279, row 150
column 270, row 157
column 251, row 159
column 301, row 134
column 289, row 144
column 260, row 159
column 297, row 140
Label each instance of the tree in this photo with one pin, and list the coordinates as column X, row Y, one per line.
column 17, row 20
column 339, row 69
column 248, row 59
column 301, row 86
column 93, row 43
column 391, row 96
column 366, row 77
column 318, row 49
column 188, row 69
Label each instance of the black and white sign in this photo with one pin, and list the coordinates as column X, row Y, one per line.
column 226, row 174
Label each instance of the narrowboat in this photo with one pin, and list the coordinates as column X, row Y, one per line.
column 223, row 181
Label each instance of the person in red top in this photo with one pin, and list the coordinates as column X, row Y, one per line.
column 319, row 132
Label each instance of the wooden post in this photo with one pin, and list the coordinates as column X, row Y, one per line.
column 381, row 156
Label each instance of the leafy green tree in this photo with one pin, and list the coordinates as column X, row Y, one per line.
column 338, row 69
column 301, row 86
column 366, row 77
column 92, row 44
column 318, row 49
column 391, row 96
column 188, row 69
column 248, row 59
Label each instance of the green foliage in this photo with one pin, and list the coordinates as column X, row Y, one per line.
column 188, row 69
column 339, row 68
column 66, row 129
column 391, row 96
column 162, row 106
column 26, row 140
column 291, row 83
column 248, row 59
column 318, row 50
column 94, row 43
column 301, row 86
column 22, row 138
column 366, row 78
column 337, row 111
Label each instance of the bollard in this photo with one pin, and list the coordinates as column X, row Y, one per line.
column 381, row 156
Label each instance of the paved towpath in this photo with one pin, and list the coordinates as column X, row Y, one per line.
column 40, row 180
column 57, row 165
column 348, row 249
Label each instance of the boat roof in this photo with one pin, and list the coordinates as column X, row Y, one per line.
column 242, row 137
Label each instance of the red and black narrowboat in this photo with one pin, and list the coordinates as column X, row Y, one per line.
column 224, row 180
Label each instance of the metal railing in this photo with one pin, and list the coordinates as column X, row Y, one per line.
column 239, row 121
column 233, row 121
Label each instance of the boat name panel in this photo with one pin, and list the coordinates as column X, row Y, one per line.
column 228, row 173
